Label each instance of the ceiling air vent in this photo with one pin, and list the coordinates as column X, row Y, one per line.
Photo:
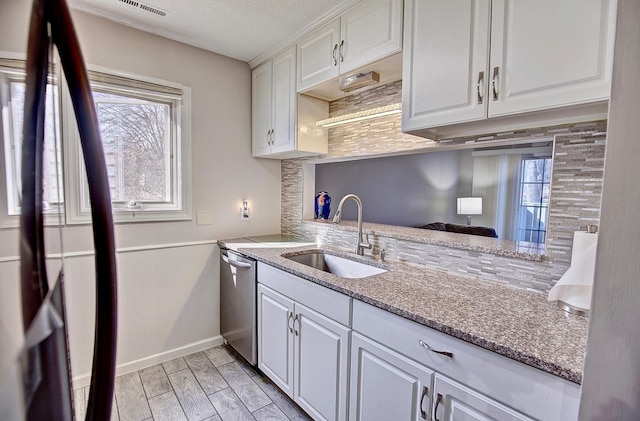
column 145, row 7
column 152, row 9
column 130, row 2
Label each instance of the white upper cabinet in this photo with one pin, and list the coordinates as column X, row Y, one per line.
column 284, row 101
column 369, row 31
column 283, row 122
column 473, row 60
column 261, row 109
column 318, row 58
column 546, row 53
column 445, row 62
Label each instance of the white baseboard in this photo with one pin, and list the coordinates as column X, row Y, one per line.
column 131, row 366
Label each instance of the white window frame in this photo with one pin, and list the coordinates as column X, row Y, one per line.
column 9, row 210
column 76, row 194
column 78, row 208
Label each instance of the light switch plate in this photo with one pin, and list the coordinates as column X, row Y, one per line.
column 203, row 217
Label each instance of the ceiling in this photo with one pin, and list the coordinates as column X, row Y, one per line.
column 242, row 29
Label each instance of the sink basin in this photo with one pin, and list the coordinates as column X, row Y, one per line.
column 339, row 266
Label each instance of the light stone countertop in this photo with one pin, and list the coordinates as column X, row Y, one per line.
column 512, row 322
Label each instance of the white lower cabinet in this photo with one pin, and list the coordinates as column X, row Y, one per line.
column 385, row 385
column 454, row 401
column 302, row 351
column 469, row 382
column 387, row 367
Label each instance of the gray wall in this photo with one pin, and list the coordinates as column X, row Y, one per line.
column 404, row 190
column 611, row 385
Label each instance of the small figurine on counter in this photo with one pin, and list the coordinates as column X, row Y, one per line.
column 322, row 205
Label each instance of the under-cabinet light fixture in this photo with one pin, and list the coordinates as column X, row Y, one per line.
column 361, row 115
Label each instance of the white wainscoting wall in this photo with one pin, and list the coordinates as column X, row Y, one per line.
column 168, row 304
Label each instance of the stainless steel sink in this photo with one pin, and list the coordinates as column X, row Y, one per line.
column 339, row 266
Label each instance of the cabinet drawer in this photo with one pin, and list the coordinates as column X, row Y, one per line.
column 330, row 303
column 524, row 388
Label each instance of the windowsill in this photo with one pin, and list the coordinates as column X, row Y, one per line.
column 519, row 250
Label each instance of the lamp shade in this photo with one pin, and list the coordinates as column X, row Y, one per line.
column 470, row 206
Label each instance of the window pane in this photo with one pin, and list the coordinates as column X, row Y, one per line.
column 534, row 199
column 137, row 143
column 52, row 189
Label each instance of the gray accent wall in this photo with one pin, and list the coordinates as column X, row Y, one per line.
column 406, row 190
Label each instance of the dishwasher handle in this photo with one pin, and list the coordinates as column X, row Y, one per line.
column 236, row 263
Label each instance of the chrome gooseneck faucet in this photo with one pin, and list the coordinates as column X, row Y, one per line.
column 361, row 244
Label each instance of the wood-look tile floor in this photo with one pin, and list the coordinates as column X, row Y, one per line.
column 216, row 384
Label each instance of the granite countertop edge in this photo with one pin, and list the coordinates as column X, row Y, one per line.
column 521, row 353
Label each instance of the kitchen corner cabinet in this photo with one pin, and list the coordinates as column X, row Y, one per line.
column 454, row 401
column 304, row 351
column 394, row 357
column 385, row 385
column 369, row 31
column 283, row 122
column 471, row 60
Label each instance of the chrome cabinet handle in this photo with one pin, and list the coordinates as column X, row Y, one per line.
column 269, row 137
column 496, row 71
column 289, row 323
column 426, row 346
column 341, row 50
column 335, row 60
column 478, row 89
column 296, row 331
column 435, row 411
column 273, row 131
column 425, row 392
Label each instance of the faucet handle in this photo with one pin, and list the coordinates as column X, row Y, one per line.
column 383, row 254
column 366, row 243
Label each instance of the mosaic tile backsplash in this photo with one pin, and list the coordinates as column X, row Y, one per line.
column 578, row 167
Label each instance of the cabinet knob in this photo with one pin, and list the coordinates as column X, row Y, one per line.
column 426, row 346
column 425, row 392
column 480, row 86
column 435, row 410
column 494, row 82
column 296, row 319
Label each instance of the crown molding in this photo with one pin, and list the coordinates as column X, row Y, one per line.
column 285, row 43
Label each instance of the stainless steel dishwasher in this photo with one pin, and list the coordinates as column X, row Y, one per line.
column 238, row 303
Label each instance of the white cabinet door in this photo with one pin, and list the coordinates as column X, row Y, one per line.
column 261, row 109
column 284, row 102
column 321, row 370
column 370, row 31
column 546, row 53
column 454, row 401
column 385, row 385
column 275, row 339
column 318, row 56
column 445, row 60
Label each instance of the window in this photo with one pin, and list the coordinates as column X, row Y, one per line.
column 145, row 130
column 12, row 97
column 533, row 208
column 144, row 125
